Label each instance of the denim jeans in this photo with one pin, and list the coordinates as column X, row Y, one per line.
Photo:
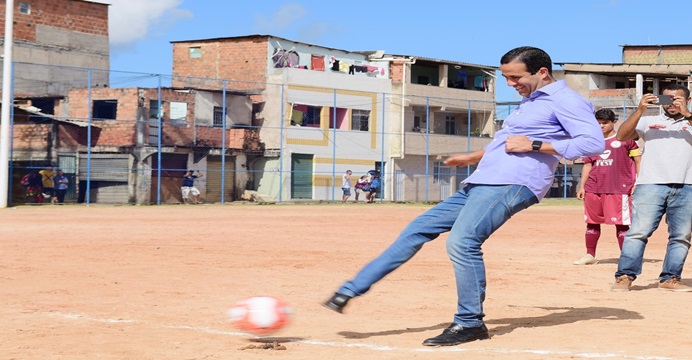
column 649, row 203
column 489, row 206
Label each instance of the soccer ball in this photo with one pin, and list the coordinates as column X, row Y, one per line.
column 259, row 314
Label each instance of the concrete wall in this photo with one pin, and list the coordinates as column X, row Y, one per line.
column 59, row 32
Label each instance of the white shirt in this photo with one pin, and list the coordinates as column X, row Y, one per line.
column 667, row 156
column 346, row 183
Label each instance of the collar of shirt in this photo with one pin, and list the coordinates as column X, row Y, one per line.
column 549, row 89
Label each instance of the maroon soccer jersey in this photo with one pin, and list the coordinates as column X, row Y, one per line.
column 612, row 172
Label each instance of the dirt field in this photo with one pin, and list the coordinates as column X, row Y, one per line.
column 155, row 282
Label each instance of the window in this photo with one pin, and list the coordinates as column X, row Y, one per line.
column 178, row 113
column 47, row 105
column 218, row 116
column 104, row 109
column 24, row 8
column 441, row 174
column 416, row 124
column 154, row 110
column 360, row 120
column 338, row 118
column 311, row 116
column 450, row 125
column 195, row 52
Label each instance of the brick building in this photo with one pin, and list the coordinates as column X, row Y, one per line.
column 325, row 110
column 70, row 33
column 644, row 69
column 111, row 138
column 619, row 86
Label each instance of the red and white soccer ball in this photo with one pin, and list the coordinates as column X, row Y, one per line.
column 259, row 314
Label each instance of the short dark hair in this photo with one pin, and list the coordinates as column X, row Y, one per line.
column 676, row 87
column 534, row 59
column 606, row 114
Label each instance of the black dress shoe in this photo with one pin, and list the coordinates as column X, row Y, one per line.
column 455, row 334
column 337, row 302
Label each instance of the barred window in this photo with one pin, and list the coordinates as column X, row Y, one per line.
column 24, row 8
column 218, row 116
column 360, row 120
column 442, row 174
column 450, row 125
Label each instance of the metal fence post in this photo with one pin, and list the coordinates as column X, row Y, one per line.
column 223, row 143
column 334, row 180
column 427, row 147
column 281, row 144
column 158, row 144
column 87, row 197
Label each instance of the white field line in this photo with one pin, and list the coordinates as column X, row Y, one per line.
column 366, row 345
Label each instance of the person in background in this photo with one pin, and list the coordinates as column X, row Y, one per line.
column 664, row 187
column 48, row 190
column 374, row 187
column 346, row 186
column 515, row 171
column 61, row 183
column 188, row 190
column 362, row 182
column 607, row 182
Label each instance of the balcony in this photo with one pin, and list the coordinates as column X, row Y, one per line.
column 441, row 144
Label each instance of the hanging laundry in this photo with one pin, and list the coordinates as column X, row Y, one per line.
column 317, row 62
column 343, row 66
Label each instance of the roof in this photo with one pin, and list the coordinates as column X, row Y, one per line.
column 36, row 111
column 621, row 69
column 342, row 50
column 656, row 45
column 255, row 36
column 489, row 67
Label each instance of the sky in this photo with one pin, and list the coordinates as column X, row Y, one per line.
column 477, row 32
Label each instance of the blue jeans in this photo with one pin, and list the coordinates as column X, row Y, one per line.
column 649, row 203
column 489, row 206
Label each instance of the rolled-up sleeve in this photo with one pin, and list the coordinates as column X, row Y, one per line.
column 577, row 118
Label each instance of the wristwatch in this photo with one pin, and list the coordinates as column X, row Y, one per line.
column 689, row 118
column 536, row 145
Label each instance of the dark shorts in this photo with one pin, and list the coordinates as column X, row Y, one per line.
column 347, row 191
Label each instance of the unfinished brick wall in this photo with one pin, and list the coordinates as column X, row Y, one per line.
column 240, row 61
column 110, row 132
column 669, row 54
column 31, row 136
column 74, row 15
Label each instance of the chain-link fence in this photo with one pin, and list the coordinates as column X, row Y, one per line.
column 131, row 138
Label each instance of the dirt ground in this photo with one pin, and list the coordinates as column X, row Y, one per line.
column 155, row 282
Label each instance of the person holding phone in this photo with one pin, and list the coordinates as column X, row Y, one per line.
column 663, row 187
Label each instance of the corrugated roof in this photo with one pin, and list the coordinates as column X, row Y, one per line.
column 36, row 111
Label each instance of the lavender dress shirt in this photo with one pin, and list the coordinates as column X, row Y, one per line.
column 555, row 114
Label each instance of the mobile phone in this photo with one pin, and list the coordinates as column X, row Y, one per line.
column 665, row 99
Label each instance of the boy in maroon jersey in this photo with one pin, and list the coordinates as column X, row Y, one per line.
column 607, row 181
